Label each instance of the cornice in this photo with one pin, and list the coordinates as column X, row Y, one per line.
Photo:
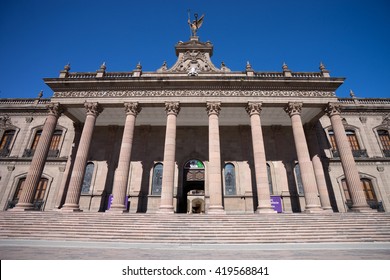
column 192, row 93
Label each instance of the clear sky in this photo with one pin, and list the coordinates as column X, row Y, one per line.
column 38, row 37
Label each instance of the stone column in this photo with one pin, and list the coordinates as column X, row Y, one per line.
column 214, row 172
column 347, row 161
column 166, row 206
column 262, row 185
column 39, row 159
column 76, row 181
column 318, row 168
column 122, row 173
column 305, row 165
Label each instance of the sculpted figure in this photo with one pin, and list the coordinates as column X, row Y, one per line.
column 195, row 24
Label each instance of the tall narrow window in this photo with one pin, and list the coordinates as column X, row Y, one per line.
column 332, row 139
column 86, row 187
column 385, row 141
column 369, row 191
column 271, row 189
column 352, row 139
column 39, row 195
column 230, row 179
column 347, row 194
column 298, row 178
column 157, row 179
column 5, row 143
column 55, row 143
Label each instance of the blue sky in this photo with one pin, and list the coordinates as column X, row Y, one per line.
column 37, row 38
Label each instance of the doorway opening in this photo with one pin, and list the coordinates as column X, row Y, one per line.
column 192, row 198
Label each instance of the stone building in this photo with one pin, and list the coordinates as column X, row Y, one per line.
column 195, row 138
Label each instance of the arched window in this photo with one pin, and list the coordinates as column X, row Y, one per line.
column 86, row 187
column 271, row 189
column 298, row 179
column 230, row 179
column 157, row 179
column 385, row 141
column 6, row 141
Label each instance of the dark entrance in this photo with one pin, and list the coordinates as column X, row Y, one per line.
column 193, row 187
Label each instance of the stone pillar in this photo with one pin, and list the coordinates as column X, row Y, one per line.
column 347, row 161
column 39, row 159
column 214, row 172
column 305, row 165
column 76, row 181
column 318, row 168
column 262, row 185
column 122, row 173
column 166, row 206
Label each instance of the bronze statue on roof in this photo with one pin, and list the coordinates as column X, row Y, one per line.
column 195, row 24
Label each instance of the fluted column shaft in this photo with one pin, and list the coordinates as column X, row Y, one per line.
column 305, row 165
column 262, row 184
column 318, row 170
column 39, row 159
column 347, row 161
column 78, row 172
column 166, row 204
column 122, row 173
column 214, row 170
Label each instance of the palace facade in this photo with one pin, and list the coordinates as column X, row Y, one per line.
column 195, row 138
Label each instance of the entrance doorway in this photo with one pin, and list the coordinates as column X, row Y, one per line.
column 192, row 196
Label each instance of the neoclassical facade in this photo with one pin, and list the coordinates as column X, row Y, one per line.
column 195, row 138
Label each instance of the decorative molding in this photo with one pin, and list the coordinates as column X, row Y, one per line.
column 253, row 108
column 333, row 109
column 200, row 92
column 172, row 108
column 93, row 108
column 11, row 168
column 55, row 109
column 5, row 121
column 380, row 168
column 132, row 108
column 29, row 119
column 293, row 108
column 363, row 119
column 213, row 108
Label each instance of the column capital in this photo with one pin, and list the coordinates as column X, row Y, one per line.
column 293, row 108
column 213, row 108
column 93, row 108
column 333, row 109
column 132, row 108
column 55, row 109
column 254, row 108
column 172, row 108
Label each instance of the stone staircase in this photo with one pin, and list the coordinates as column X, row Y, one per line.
column 196, row 229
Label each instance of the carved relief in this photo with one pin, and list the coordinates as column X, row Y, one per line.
column 253, row 108
column 196, row 60
column 213, row 108
column 132, row 108
column 5, row 121
column 93, row 108
column 293, row 108
column 172, row 108
column 55, row 109
column 180, row 93
column 333, row 109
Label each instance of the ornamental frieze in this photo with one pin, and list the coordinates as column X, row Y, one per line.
column 179, row 93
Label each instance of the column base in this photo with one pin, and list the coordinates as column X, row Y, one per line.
column 166, row 210
column 313, row 209
column 71, row 208
column 22, row 207
column 327, row 210
column 265, row 210
column 362, row 209
column 215, row 210
column 117, row 209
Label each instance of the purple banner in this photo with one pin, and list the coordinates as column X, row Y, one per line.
column 276, row 203
column 111, row 197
